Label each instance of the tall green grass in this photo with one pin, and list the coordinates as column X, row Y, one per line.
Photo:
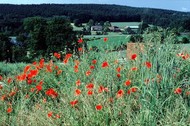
column 153, row 104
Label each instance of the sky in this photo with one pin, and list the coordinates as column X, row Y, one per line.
column 179, row 5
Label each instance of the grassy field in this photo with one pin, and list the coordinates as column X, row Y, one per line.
column 151, row 88
column 111, row 42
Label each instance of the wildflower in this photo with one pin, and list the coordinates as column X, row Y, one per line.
column 178, row 91
column 98, row 107
column 41, row 64
column 101, row 89
column 133, row 89
column 51, row 92
column 58, row 116
column 118, row 69
column 9, row 80
column 92, row 67
column 134, row 68
column 73, row 103
column 26, row 68
column 118, row 75
column 80, row 49
column 67, row 57
column 59, row 72
column 90, row 86
column 128, row 82
column 12, row 93
column 80, row 40
column 90, row 92
column 1, row 78
column 9, row 110
column 50, row 114
column 48, row 68
column 34, row 63
column 105, row 39
column 105, row 64
column 187, row 93
column 57, row 55
column 148, row 64
column 39, row 87
column 94, row 61
column 29, row 81
column 1, row 86
column 133, row 56
column 33, row 73
column 77, row 92
column 120, row 93
column 78, row 82
column 129, row 92
column 88, row 73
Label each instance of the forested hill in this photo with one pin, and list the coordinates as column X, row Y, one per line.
column 97, row 12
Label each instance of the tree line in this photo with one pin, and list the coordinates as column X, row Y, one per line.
column 40, row 38
column 11, row 16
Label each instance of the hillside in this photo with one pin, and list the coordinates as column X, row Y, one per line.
column 97, row 12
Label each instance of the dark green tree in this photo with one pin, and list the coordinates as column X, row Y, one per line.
column 5, row 48
column 36, row 42
column 60, row 35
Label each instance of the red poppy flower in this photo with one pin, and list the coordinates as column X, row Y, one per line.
column 187, row 93
column 59, row 72
column 99, row 107
column 26, row 68
column 48, row 68
column 78, row 82
column 57, row 55
column 134, row 68
column 128, row 82
column 9, row 110
column 101, row 89
column 73, row 103
column 148, row 64
column 39, row 87
column 77, row 92
column 94, row 61
column 41, row 63
column 50, row 114
column 1, row 86
column 133, row 56
column 178, row 91
column 58, row 116
column 129, row 92
column 1, row 78
column 92, row 67
column 133, row 89
column 9, row 80
column 105, row 64
column 90, row 86
column 80, row 40
column 90, row 92
column 120, row 93
column 118, row 75
column 88, row 73
column 29, row 81
column 52, row 93
column 118, row 69
column 105, row 39
column 80, row 49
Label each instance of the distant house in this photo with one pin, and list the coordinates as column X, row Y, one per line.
column 114, row 29
column 96, row 28
column 131, row 29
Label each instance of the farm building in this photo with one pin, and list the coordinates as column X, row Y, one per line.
column 114, row 29
column 96, row 28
